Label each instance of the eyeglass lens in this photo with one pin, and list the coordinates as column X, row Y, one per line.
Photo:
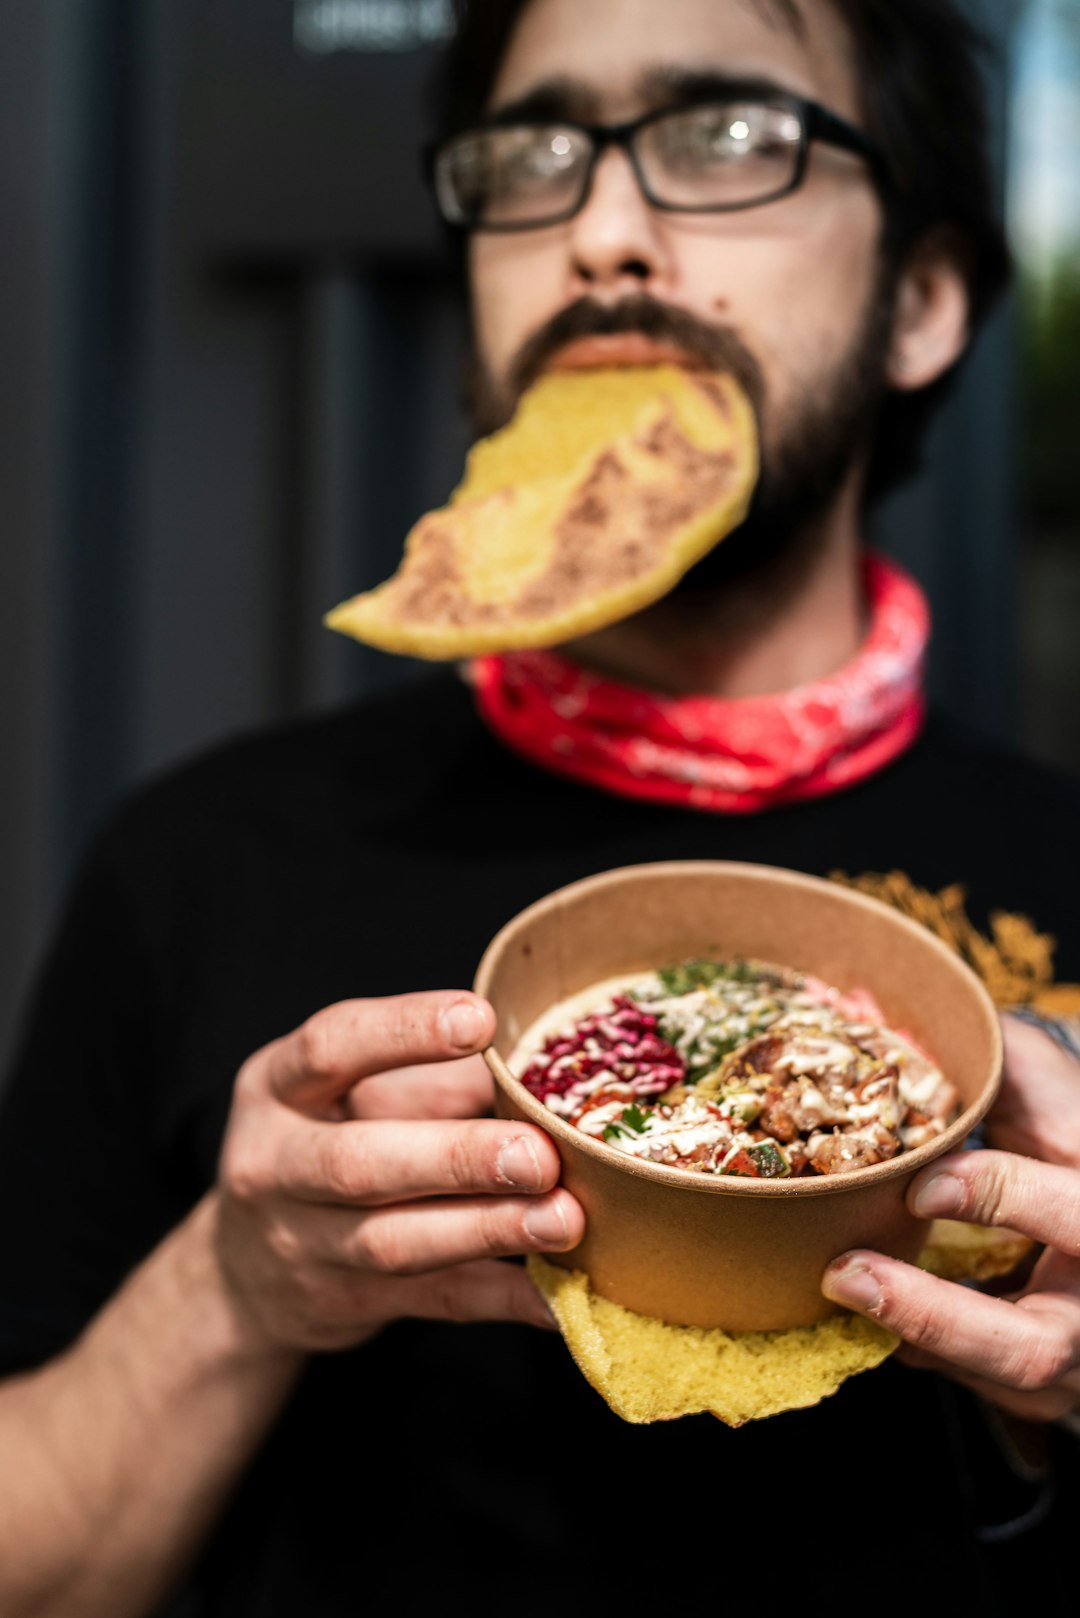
column 715, row 156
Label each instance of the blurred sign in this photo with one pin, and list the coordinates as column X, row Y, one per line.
column 324, row 26
column 300, row 128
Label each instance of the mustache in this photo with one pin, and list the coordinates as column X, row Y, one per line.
column 715, row 347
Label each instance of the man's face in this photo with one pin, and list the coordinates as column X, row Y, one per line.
column 798, row 282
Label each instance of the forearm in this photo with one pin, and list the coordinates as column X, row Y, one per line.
column 119, row 1456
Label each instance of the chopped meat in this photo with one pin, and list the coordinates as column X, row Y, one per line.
column 841, row 1152
column 778, row 1115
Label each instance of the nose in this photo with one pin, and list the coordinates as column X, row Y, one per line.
column 616, row 241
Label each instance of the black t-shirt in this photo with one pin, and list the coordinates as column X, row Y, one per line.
column 375, row 851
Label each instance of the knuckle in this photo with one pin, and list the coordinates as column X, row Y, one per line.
column 916, row 1323
column 379, row 1247
column 462, row 1162
column 285, row 1243
column 990, row 1194
column 1044, row 1367
column 337, row 1164
column 500, row 1232
column 240, row 1173
column 317, row 1046
column 249, row 1078
column 406, row 1027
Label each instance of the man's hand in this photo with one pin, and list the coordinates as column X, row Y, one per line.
column 356, row 1187
column 1021, row 1353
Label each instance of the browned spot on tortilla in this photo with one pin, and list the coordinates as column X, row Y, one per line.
column 641, row 518
column 432, row 589
column 616, row 528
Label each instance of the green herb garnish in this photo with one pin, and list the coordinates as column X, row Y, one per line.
column 702, row 974
column 691, row 975
column 632, row 1122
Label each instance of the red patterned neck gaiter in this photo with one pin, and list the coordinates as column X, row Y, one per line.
column 734, row 756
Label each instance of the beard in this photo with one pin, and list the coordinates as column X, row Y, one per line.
column 807, row 459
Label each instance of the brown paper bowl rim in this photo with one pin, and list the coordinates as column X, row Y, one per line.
column 906, row 1164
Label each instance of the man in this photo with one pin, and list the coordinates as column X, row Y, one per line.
column 281, row 1194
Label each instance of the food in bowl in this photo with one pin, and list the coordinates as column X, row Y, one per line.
column 727, row 1250
column 736, row 1067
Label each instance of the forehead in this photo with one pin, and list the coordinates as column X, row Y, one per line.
column 610, row 51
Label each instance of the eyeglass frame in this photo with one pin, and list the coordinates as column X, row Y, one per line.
column 815, row 123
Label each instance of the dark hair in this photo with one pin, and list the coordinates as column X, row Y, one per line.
column 923, row 100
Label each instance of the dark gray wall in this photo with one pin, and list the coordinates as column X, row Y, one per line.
column 231, row 384
column 38, row 189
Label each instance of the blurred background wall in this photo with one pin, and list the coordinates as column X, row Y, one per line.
column 230, row 383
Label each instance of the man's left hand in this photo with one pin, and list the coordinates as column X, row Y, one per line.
column 1022, row 1353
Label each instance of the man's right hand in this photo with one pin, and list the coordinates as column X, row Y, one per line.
column 358, row 1186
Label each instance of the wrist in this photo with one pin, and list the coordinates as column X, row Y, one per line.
column 222, row 1332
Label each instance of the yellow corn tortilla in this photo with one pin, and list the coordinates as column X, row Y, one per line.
column 606, row 486
column 959, row 1252
column 648, row 1370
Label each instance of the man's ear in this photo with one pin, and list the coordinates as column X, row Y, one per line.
column 931, row 325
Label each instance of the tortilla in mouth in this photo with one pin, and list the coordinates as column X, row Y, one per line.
column 595, row 500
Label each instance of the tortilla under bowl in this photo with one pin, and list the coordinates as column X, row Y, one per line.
column 710, row 1250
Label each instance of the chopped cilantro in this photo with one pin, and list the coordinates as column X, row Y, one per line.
column 691, row 975
column 633, row 1121
column 742, row 972
column 702, row 974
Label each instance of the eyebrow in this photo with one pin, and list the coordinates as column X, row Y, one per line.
column 784, row 13
column 557, row 97
column 563, row 97
column 669, row 86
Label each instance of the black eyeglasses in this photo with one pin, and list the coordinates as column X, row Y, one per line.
column 739, row 150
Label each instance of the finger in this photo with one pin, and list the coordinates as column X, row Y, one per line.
column 342, row 1044
column 418, row 1237
column 1012, row 1343
column 1049, row 1405
column 1040, row 1200
column 377, row 1162
column 484, row 1290
column 1037, row 1112
column 462, row 1089
column 1053, row 1272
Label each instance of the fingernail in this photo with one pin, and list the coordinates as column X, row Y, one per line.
column 463, row 1025
column 854, row 1286
column 545, row 1223
column 940, row 1195
column 519, row 1165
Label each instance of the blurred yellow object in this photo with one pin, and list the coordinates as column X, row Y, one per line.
column 648, row 1370
column 959, row 1252
column 606, row 486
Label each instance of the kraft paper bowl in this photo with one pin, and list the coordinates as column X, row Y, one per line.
column 700, row 1250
